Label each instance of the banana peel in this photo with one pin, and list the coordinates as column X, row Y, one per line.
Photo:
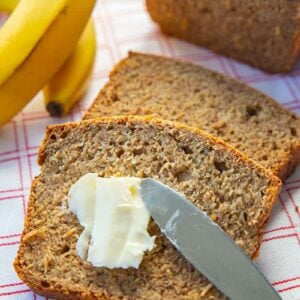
column 48, row 56
column 22, row 31
column 8, row 5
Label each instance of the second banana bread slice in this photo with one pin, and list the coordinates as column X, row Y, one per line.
column 233, row 190
column 248, row 120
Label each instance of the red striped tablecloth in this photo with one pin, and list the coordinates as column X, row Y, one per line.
column 121, row 26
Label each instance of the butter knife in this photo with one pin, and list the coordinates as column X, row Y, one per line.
column 205, row 245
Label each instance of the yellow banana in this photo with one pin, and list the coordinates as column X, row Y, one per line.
column 69, row 83
column 49, row 54
column 8, row 5
column 23, row 29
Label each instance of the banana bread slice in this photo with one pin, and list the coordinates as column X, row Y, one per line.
column 178, row 91
column 233, row 190
column 264, row 34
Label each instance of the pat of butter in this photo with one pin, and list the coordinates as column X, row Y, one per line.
column 114, row 218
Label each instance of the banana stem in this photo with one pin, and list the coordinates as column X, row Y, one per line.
column 55, row 109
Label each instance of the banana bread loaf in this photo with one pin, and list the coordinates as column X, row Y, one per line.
column 233, row 190
column 264, row 34
column 248, row 120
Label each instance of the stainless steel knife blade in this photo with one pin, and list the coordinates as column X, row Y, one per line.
column 205, row 245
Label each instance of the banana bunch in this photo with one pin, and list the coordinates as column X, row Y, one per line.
column 47, row 45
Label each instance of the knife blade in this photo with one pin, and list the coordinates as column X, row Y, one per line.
column 204, row 244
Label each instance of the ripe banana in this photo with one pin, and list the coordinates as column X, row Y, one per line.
column 48, row 55
column 23, row 29
column 8, row 5
column 69, row 83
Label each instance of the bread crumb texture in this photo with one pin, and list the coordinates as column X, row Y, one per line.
column 235, row 191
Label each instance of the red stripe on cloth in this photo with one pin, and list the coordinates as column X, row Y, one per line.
column 19, row 150
column 15, row 293
column 10, row 244
column 280, row 237
column 11, row 190
column 10, row 236
column 9, row 159
column 8, row 152
column 11, row 284
column 286, row 280
column 289, row 288
column 11, row 197
column 279, row 228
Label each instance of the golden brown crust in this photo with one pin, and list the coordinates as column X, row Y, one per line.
column 71, row 292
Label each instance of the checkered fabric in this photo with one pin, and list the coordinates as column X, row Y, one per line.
column 122, row 26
